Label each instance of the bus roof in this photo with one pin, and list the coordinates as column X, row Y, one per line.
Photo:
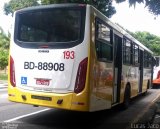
column 51, row 6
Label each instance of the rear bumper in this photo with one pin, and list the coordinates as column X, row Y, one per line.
column 68, row 101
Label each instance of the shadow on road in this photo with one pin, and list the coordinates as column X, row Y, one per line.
column 113, row 118
column 62, row 119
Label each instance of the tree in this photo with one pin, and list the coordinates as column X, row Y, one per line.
column 149, row 40
column 4, row 46
column 3, row 58
column 4, row 40
column 105, row 6
column 14, row 5
column 153, row 6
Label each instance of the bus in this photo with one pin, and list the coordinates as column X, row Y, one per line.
column 156, row 73
column 72, row 57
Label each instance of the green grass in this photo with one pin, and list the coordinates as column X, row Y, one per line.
column 3, row 76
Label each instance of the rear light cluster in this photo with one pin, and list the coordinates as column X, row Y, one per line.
column 12, row 72
column 81, row 76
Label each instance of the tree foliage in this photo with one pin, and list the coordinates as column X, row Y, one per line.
column 4, row 40
column 3, row 58
column 14, row 5
column 149, row 40
column 4, row 46
column 105, row 6
column 153, row 6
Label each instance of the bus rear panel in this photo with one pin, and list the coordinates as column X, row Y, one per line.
column 47, row 65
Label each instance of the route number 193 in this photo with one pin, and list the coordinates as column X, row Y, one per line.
column 69, row 54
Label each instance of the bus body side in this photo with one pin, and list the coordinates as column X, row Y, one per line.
column 45, row 77
column 111, row 79
column 88, row 76
column 101, row 70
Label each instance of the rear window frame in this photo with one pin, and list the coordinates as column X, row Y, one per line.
column 57, row 45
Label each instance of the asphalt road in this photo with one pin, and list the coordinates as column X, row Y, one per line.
column 21, row 116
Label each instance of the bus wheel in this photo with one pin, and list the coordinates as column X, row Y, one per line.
column 127, row 95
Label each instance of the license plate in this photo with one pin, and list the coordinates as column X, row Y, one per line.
column 45, row 82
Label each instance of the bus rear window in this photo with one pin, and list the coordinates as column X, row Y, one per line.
column 59, row 25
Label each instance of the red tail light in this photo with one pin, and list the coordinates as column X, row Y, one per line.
column 12, row 72
column 81, row 76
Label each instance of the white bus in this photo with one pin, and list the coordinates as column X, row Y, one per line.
column 71, row 56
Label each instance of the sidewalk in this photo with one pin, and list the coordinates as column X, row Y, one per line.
column 3, row 84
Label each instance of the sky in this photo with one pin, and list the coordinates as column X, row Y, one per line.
column 5, row 21
column 136, row 19
column 132, row 19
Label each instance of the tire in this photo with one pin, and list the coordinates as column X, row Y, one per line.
column 127, row 96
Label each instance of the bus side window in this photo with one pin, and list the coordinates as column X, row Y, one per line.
column 135, row 55
column 127, row 52
column 147, row 60
column 103, row 42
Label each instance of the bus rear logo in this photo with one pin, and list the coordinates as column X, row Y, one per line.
column 43, row 51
